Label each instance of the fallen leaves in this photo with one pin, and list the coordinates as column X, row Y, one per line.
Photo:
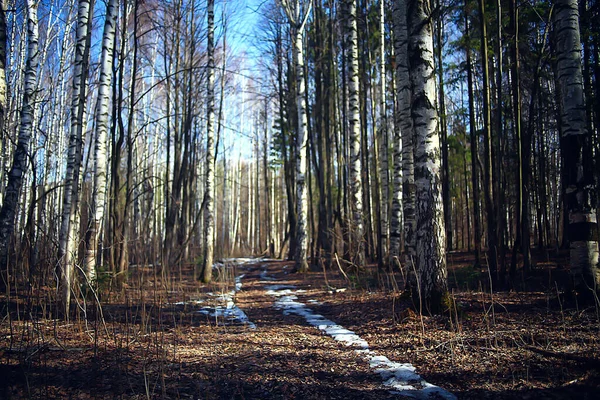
column 525, row 346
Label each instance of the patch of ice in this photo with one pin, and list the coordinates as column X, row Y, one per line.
column 227, row 308
column 240, row 261
column 230, row 312
column 280, row 290
column 265, row 277
column 401, row 377
column 238, row 282
column 183, row 303
column 289, row 305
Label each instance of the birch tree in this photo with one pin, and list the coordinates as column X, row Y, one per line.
column 298, row 14
column 488, row 170
column 354, row 129
column 404, row 185
column 209, row 219
column 68, row 236
column 98, row 200
column 3, row 87
column 576, row 150
column 431, row 283
column 383, row 142
column 20, row 161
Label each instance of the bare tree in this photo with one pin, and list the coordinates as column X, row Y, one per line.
column 576, row 150
column 67, row 249
column 98, row 200
column 355, row 175
column 10, row 201
column 209, row 218
column 298, row 14
column 431, row 283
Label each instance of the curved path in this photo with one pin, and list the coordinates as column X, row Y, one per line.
column 289, row 351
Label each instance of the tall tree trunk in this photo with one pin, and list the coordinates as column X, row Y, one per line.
column 523, row 148
column 488, row 176
column 474, row 140
column 576, row 151
column 430, row 259
column 67, row 239
column 298, row 15
column 498, row 170
column 321, row 111
column 383, row 240
column 3, row 109
column 3, row 84
column 12, row 190
column 209, row 219
column 404, row 145
column 439, row 50
column 357, row 255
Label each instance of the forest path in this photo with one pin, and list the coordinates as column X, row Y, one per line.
column 284, row 352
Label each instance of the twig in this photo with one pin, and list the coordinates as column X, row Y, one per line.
column 95, row 297
column 590, row 361
column 340, row 267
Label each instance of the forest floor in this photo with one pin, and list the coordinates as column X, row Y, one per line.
column 160, row 338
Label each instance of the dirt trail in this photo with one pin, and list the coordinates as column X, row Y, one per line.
column 283, row 357
column 161, row 339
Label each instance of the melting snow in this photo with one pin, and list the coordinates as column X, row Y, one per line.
column 265, row 277
column 401, row 377
column 229, row 311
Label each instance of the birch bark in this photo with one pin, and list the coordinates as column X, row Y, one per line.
column 70, row 205
column 3, row 86
column 297, row 16
column 431, row 284
column 357, row 252
column 12, row 191
column 98, row 201
column 576, row 151
column 209, row 218
column 403, row 202
column 383, row 141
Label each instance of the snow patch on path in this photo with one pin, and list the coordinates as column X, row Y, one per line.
column 227, row 308
column 289, row 305
column 264, row 277
column 400, row 377
column 230, row 311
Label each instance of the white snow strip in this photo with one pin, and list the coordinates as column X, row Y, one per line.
column 281, row 290
column 227, row 308
column 238, row 282
column 289, row 305
column 265, row 277
column 239, row 261
column 230, row 312
column 183, row 303
column 401, row 377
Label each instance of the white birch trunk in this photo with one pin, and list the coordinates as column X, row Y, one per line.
column 98, row 201
column 403, row 201
column 383, row 140
column 297, row 17
column 209, row 219
column 430, row 234
column 20, row 161
column 576, row 151
column 357, row 251
column 302, row 158
column 3, row 86
column 67, row 248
